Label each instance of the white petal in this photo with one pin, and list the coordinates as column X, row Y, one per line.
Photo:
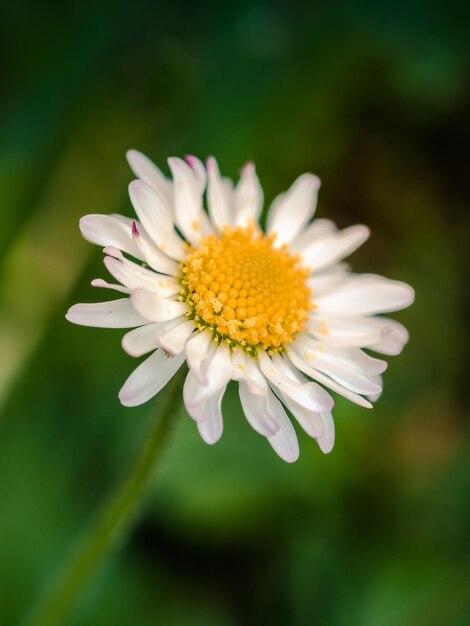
column 145, row 338
column 156, row 219
column 354, row 359
column 285, row 366
column 394, row 338
column 245, row 368
column 219, row 197
column 207, row 413
column 327, row 440
column 113, row 314
column 147, row 171
column 256, row 410
column 349, row 356
column 151, row 376
column 212, row 426
column 135, row 276
column 239, row 364
column 248, row 198
column 190, row 216
column 379, row 333
column 332, row 248
column 317, row 229
column 348, row 366
column 190, row 389
column 208, row 417
column 127, row 221
column 310, row 421
column 326, row 281
column 320, row 426
column 149, row 252
column 353, row 380
column 309, row 394
column 99, row 282
column 174, row 339
column 299, row 362
column 197, row 351
column 109, row 230
column 291, row 211
column 284, row 442
column 218, row 374
column 199, row 170
column 366, row 294
column 374, row 397
column 156, row 309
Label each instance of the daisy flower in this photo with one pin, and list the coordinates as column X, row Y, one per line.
column 277, row 311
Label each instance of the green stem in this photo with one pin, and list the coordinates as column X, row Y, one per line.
column 116, row 518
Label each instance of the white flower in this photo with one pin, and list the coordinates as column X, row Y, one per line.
column 277, row 312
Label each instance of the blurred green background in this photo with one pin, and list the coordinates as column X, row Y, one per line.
column 373, row 97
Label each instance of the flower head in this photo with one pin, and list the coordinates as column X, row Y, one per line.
column 276, row 311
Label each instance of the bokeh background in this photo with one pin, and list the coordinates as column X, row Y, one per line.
column 374, row 98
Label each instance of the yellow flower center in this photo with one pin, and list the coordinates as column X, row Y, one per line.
column 246, row 291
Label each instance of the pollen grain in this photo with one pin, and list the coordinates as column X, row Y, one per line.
column 246, row 291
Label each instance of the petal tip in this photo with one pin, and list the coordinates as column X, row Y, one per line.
column 72, row 314
column 289, row 456
column 210, row 440
column 313, row 180
column 131, row 155
column 175, row 163
column 326, row 448
column 137, row 188
column 135, row 230
column 411, row 294
column 248, row 168
column 127, row 349
column 125, row 401
column 83, row 223
column 113, row 252
column 211, row 163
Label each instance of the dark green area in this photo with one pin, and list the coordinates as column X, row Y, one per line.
column 374, row 98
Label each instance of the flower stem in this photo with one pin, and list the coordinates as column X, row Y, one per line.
column 116, row 518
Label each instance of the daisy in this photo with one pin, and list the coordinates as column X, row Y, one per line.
column 276, row 311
